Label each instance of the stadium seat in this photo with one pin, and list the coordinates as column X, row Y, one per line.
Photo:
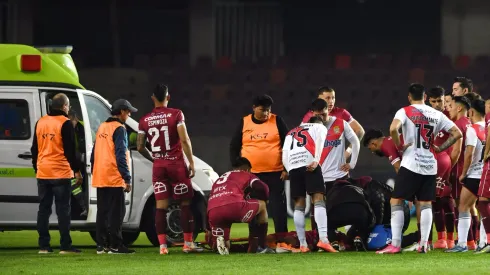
column 343, row 62
column 224, row 63
column 462, row 62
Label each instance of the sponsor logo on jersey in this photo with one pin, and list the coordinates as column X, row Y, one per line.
column 332, row 143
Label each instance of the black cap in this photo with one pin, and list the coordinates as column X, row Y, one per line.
column 123, row 104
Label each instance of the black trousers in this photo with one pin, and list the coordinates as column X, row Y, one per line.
column 110, row 215
column 277, row 200
column 60, row 190
column 354, row 214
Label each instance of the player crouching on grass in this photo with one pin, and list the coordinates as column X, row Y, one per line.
column 227, row 205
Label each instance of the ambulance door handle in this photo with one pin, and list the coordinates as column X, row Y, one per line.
column 26, row 155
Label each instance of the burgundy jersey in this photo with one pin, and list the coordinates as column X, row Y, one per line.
column 462, row 124
column 160, row 126
column 230, row 188
column 388, row 149
column 442, row 136
column 336, row 112
column 486, row 165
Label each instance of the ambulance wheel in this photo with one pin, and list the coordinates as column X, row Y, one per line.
column 128, row 237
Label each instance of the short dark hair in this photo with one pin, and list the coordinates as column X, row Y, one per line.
column 263, row 100
column 435, row 92
column 463, row 101
column 241, row 162
column 464, row 82
column 416, row 91
column 325, row 89
column 472, row 96
column 318, row 105
column 479, row 106
column 315, row 119
column 160, row 92
column 371, row 134
column 58, row 101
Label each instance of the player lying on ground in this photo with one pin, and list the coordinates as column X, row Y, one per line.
column 301, row 155
column 227, row 205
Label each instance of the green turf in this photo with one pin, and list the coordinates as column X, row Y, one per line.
column 18, row 254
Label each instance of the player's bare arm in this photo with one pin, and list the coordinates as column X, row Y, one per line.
column 396, row 165
column 468, row 157
column 187, row 146
column 354, row 141
column 141, row 146
column 455, row 135
column 456, row 152
column 356, row 126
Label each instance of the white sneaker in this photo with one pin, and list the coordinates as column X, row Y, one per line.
column 220, row 243
column 412, row 248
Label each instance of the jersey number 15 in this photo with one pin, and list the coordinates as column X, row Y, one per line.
column 155, row 133
column 300, row 136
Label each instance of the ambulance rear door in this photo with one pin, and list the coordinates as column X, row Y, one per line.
column 19, row 112
column 97, row 110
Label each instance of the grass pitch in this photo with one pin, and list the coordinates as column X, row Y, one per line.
column 18, row 255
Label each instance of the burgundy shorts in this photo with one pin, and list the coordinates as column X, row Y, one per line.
column 222, row 217
column 443, row 171
column 455, row 183
column 171, row 178
column 484, row 188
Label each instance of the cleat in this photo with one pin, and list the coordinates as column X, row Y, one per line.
column 163, row 250
column 457, row 249
column 102, row 249
column 440, row 244
column 423, row 249
column 412, row 248
column 221, row 245
column 283, row 248
column 48, row 250
column 390, row 249
column 450, row 244
column 471, row 245
column 301, row 249
column 359, row 244
column 481, row 250
column 335, row 245
column 266, row 250
column 191, row 247
column 327, row 247
column 121, row 250
column 70, row 251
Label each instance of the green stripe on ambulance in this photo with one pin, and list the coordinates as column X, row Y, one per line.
column 17, row 173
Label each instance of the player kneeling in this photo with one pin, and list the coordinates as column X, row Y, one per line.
column 227, row 205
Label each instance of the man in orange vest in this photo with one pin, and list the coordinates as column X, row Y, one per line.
column 55, row 164
column 112, row 177
column 259, row 138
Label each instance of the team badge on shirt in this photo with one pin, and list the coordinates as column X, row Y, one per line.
column 336, row 129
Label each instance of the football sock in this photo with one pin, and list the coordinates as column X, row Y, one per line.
column 299, row 223
column 475, row 226
column 321, row 220
column 161, row 225
column 484, row 209
column 425, row 223
column 464, row 225
column 438, row 214
column 312, row 218
column 397, row 220
column 262, row 233
column 448, row 206
column 483, row 236
column 187, row 222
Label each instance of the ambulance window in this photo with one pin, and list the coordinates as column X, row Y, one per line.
column 98, row 112
column 14, row 119
column 75, row 109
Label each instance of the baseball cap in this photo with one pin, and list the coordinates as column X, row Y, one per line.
column 123, row 104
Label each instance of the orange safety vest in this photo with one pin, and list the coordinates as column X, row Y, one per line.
column 105, row 173
column 51, row 160
column 261, row 145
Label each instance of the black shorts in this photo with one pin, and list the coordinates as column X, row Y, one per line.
column 472, row 184
column 409, row 185
column 302, row 182
column 329, row 184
